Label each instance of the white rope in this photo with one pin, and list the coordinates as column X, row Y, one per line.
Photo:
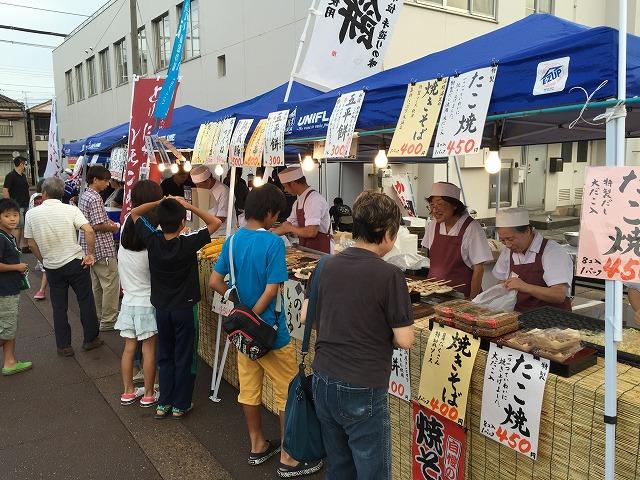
column 617, row 111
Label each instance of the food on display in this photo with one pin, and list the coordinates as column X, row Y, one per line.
column 630, row 340
column 486, row 332
column 496, row 320
column 429, row 287
column 212, row 249
column 448, row 309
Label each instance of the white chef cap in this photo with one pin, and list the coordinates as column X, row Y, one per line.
column 290, row 174
column 512, row 217
column 200, row 174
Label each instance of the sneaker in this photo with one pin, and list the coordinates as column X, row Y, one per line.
column 259, row 458
column 40, row 295
column 95, row 343
column 19, row 367
column 146, row 402
column 66, row 351
column 129, row 398
column 301, row 470
column 138, row 378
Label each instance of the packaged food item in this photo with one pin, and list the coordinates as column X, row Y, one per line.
column 449, row 322
column 557, row 340
column 522, row 340
column 486, row 332
column 559, row 356
column 496, row 320
column 448, row 309
column 470, row 313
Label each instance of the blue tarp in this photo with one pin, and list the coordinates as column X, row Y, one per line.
column 517, row 49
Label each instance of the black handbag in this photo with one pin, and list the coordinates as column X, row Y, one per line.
column 251, row 335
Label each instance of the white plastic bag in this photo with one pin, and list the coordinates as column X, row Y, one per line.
column 408, row 261
column 498, row 298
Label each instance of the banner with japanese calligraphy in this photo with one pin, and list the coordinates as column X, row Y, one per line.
column 196, row 158
column 54, row 161
column 404, row 190
column 255, row 147
column 348, row 41
column 418, row 119
column 609, row 246
column 117, row 162
column 400, row 379
column 274, row 138
column 464, row 113
column 438, row 446
column 512, row 398
column 293, row 300
column 446, row 372
column 342, row 124
column 221, row 149
column 212, row 141
column 236, row 149
column 204, row 141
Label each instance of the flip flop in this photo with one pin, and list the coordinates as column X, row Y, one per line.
column 162, row 411
column 180, row 413
column 19, row 367
column 300, row 470
column 260, row 458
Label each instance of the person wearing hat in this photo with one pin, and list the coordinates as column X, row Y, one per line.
column 309, row 219
column 219, row 203
column 539, row 269
column 458, row 247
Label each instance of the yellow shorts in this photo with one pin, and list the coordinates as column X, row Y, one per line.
column 280, row 365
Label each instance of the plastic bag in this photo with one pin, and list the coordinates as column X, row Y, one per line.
column 498, row 298
column 408, row 261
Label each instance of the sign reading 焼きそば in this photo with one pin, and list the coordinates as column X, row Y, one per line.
column 446, row 372
column 274, row 138
column 418, row 118
column 221, row 148
column 464, row 113
column 342, row 124
column 512, row 398
column 400, row 380
column 236, row 149
column 255, row 147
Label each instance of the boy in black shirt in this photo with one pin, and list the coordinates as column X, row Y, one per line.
column 175, row 293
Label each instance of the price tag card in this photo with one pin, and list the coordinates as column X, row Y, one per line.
column 274, row 138
column 255, row 147
column 236, row 149
column 211, row 142
column 400, row 380
column 197, row 157
column 220, row 306
column 221, row 149
column 342, row 124
column 293, row 300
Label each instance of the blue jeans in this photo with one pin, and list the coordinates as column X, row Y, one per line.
column 355, row 429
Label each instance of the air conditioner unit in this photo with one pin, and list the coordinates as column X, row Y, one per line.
column 42, row 138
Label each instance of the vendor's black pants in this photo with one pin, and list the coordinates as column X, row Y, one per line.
column 79, row 279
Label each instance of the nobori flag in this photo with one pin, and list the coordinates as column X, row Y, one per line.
column 348, row 41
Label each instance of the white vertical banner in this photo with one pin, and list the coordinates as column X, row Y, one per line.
column 400, row 379
column 212, row 141
column 236, row 149
column 342, row 124
column 464, row 113
column 349, row 39
column 274, row 138
column 54, row 162
column 221, row 149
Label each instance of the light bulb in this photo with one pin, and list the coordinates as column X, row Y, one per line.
column 381, row 160
column 186, row 166
column 493, row 164
column 161, row 167
column 218, row 170
column 308, row 164
column 258, row 181
column 174, row 168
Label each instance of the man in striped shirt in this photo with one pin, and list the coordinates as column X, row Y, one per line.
column 51, row 230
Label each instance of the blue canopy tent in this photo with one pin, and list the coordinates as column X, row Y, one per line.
column 107, row 139
column 73, row 149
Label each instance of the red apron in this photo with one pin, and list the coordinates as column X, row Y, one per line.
column 532, row 273
column 446, row 259
column 322, row 241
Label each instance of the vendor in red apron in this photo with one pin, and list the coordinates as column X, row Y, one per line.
column 458, row 247
column 539, row 269
column 309, row 219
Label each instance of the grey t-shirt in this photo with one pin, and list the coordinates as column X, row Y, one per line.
column 360, row 299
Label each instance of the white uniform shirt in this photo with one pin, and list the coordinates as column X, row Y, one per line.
column 556, row 262
column 220, row 201
column 475, row 248
column 316, row 212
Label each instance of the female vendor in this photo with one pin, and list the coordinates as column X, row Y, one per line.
column 457, row 244
column 539, row 269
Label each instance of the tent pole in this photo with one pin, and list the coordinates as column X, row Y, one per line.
column 303, row 39
column 464, row 196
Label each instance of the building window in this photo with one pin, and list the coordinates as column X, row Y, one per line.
column 6, row 128
column 105, row 69
column 539, row 6
column 92, row 81
column 41, row 125
column 162, row 41
column 143, row 50
column 583, row 151
column 79, row 82
column 69, row 83
column 481, row 8
column 192, row 39
column 222, row 66
column 120, row 49
column 567, row 152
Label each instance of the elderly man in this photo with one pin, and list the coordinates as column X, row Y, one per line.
column 51, row 230
column 219, row 198
column 309, row 220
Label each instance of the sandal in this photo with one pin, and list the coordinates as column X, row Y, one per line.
column 146, row 402
column 19, row 367
column 260, row 458
column 162, row 411
column 179, row 412
column 129, row 398
column 300, row 470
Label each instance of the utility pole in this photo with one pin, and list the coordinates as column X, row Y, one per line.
column 135, row 53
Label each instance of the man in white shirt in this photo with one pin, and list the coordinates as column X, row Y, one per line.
column 219, row 204
column 52, row 233
column 309, row 220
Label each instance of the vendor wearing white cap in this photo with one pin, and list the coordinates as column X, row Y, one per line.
column 309, row 219
column 539, row 269
column 219, row 204
column 457, row 244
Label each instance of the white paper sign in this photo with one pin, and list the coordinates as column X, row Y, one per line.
column 293, row 299
column 212, row 142
column 348, row 41
column 274, row 139
column 512, row 399
column 236, row 149
column 464, row 113
column 342, row 124
column 117, row 162
column 221, row 148
column 400, row 380
column 220, row 306
column 551, row 76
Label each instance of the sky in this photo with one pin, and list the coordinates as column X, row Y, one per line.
column 26, row 72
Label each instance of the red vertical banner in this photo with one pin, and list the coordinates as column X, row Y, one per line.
column 141, row 124
column 438, row 446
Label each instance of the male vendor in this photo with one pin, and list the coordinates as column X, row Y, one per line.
column 539, row 269
column 309, row 218
column 219, row 202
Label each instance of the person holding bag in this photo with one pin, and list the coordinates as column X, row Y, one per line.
column 259, row 270
column 358, row 324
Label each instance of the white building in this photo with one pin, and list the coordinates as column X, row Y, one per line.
column 237, row 49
